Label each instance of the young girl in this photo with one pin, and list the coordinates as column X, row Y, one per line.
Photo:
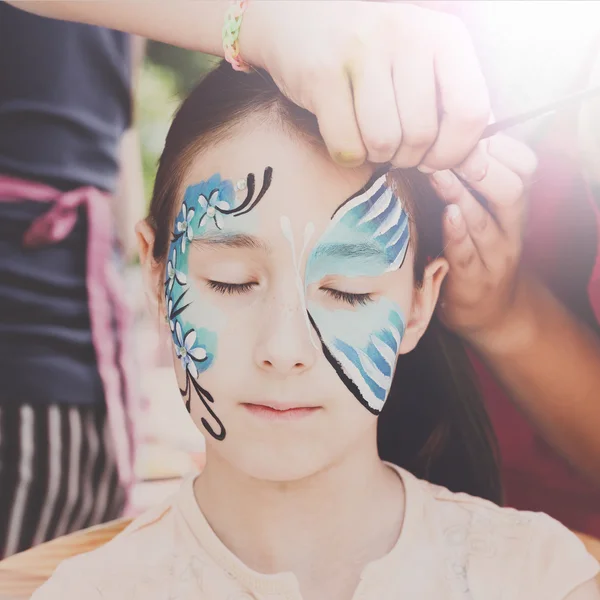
column 300, row 299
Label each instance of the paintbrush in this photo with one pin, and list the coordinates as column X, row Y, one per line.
column 563, row 103
column 566, row 102
column 494, row 128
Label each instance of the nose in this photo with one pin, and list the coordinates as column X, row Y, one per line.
column 286, row 343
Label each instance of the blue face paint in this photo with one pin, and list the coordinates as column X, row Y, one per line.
column 367, row 237
column 207, row 207
column 201, row 211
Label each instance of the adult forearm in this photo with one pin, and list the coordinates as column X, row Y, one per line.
column 129, row 203
column 195, row 25
column 550, row 364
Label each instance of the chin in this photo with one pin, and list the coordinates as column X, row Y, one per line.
column 280, row 465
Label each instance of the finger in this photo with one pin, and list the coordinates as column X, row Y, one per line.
column 500, row 186
column 333, row 104
column 463, row 100
column 459, row 249
column 482, row 229
column 513, row 154
column 376, row 112
column 414, row 84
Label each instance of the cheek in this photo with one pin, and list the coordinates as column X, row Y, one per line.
column 198, row 327
column 224, row 327
column 362, row 347
column 195, row 329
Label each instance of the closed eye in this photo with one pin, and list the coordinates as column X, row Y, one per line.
column 231, row 288
column 348, row 298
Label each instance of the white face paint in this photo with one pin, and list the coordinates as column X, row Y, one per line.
column 368, row 236
column 309, row 230
column 208, row 209
column 255, row 272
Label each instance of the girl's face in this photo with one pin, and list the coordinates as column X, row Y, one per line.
column 289, row 292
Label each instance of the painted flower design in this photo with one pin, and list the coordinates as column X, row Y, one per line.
column 213, row 207
column 184, row 226
column 173, row 275
column 187, row 350
column 170, row 314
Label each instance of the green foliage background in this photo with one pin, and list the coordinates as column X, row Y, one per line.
column 168, row 75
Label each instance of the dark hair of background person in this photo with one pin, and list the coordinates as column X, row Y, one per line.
column 434, row 423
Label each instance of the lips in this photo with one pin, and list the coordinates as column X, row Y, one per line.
column 276, row 411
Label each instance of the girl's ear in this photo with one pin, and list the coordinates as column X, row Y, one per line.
column 152, row 271
column 425, row 298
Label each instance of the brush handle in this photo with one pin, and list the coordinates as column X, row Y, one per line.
column 565, row 102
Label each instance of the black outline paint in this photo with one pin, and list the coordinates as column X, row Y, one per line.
column 250, row 187
column 378, row 173
column 205, row 397
column 267, row 178
column 248, row 204
column 177, row 311
column 352, row 387
column 381, row 171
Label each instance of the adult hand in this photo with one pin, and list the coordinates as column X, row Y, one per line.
column 483, row 246
column 387, row 81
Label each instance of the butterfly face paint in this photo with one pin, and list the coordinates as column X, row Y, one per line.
column 368, row 236
column 207, row 207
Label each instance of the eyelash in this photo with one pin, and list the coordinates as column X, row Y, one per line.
column 231, row 288
column 242, row 288
column 348, row 298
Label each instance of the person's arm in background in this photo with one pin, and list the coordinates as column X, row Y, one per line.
column 330, row 58
column 547, row 360
column 129, row 203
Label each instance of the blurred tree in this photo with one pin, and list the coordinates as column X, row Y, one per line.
column 156, row 103
column 187, row 67
column 167, row 76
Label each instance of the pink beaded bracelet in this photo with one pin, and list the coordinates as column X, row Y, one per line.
column 231, row 33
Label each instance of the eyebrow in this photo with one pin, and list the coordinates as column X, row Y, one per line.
column 231, row 240
column 341, row 250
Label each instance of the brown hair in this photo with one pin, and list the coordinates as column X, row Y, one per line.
column 434, row 423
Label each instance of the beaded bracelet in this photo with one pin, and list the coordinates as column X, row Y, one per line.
column 231, row 33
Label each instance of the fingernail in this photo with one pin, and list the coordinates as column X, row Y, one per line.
column 453, row 215
column 476, row 166
column 348, row 159
column 425, row 169
column 443, row 179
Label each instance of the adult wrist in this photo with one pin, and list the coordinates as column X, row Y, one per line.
column 254, row 34
column 520, row 326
